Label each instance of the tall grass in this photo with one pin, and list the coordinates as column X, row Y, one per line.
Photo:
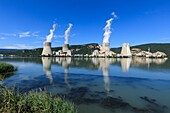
column 33, row 102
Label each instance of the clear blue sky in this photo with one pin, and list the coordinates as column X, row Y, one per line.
column 26, row 23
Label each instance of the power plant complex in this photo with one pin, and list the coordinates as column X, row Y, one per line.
column 101, row 51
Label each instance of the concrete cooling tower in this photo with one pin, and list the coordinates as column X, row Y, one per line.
column 65, row 48
column 106, row 47
column 125, row 52
column 47, row 49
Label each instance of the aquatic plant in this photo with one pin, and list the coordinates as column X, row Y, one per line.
column 39, row 102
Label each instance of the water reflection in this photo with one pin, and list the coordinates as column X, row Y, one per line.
column 125, row 64
column 97, row 64
column 65, row 62
column 46, row 61
column 148, row 61
column 104, row 64
column 134, row 90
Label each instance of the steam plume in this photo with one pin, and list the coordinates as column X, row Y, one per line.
column 107, row 28
column 50, row 36
column 67, row 33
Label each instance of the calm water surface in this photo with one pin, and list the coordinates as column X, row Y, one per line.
column 98, row 85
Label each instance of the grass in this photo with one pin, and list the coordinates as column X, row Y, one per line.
column 33, row 102
column 6, row 70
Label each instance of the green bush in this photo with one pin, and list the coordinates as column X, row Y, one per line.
column 33, row 102
column 6, row 68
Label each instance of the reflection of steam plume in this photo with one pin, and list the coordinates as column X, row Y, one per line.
column 106, row 79
column 47, row 67
column 106, row 75
column 50, row 36
column 107, row 28
column 104, row 64
column 67, row 33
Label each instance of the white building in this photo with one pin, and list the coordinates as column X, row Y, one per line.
column 64, row 52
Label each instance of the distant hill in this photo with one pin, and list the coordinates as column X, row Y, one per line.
column 7, row 50
column 87, row 49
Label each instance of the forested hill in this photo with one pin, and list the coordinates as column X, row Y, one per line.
column 87, row 49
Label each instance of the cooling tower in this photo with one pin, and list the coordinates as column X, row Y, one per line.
column 65, row 48
column 125, row 52
column 47, row 49
column 106, row 47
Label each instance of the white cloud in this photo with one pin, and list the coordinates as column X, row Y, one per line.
column 35, row 34
column 24, row 34
column 17, row 46
column 21, row 34
column 8, row 34
column 8, row 47
column 2, row 38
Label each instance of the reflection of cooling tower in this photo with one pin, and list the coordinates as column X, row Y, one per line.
column 125, row 63
column 47, row 67
column 65, row 47
column 126, row 50
column 47, row 49
column 46, row 63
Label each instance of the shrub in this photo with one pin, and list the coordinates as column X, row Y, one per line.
column 6, row 70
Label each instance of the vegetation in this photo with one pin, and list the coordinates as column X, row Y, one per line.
column 87, row 49
column 6, row 70
column 33, row 102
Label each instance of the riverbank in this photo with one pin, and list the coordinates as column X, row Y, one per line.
column 39, row 102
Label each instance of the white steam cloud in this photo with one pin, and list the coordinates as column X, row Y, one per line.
column 50, row 36
column 67, row 33
column 107, row 28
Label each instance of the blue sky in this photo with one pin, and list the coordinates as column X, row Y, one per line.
column 24, row 24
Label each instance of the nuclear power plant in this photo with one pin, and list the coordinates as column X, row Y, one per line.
column 95, row 51
column 47, row 49
column 125, row 52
